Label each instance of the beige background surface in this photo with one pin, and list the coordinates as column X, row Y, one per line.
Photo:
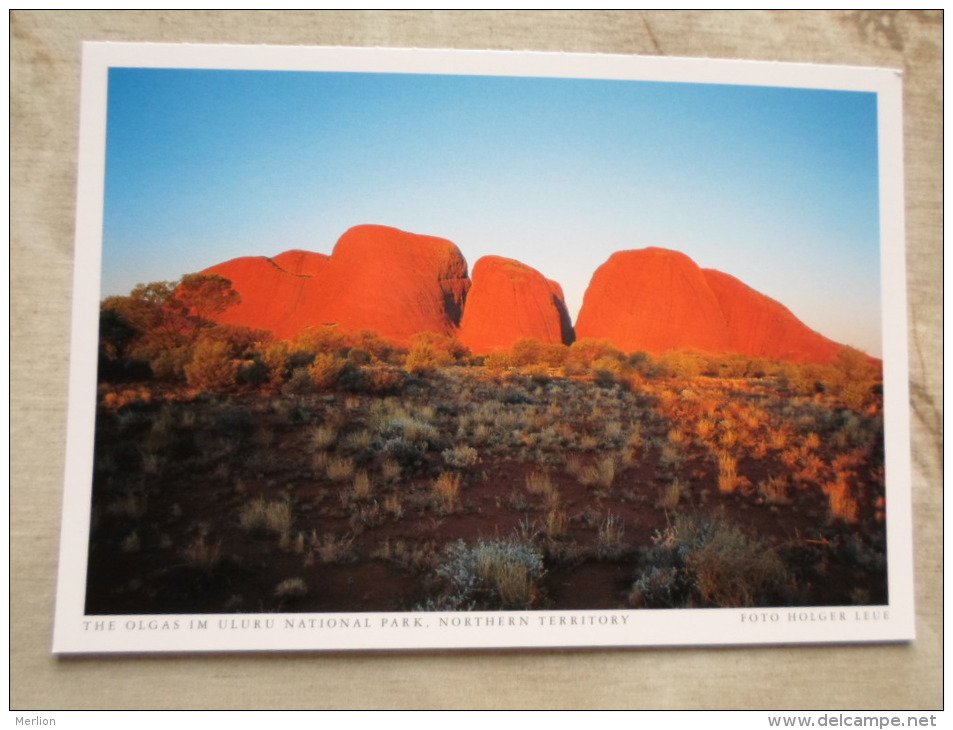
column 45, row 54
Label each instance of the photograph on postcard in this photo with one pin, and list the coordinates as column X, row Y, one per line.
column 382, row 334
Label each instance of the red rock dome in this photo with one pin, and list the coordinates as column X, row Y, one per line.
column 510, row 301
column 656, row 300
column 377, row 278
column 762, row 327
column 653, row 300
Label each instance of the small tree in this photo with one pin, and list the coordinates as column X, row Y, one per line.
column 158, row 319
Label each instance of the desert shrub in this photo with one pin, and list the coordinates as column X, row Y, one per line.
column 670, row 496
column 852, row 377
column 323, row 437
column 376, row 346
column 774, row 490
column 300, row 382
column 583, row 353
column 557, row 520
column 681, row 364
column 333, row 548
column 514, row 397
column 212, row 367
column 540, row 482
column 202, row 553
column 531, row 351
column 538, row 373
column 609, row 542
column 326, row 370
column 430, row 351
column 446, row 490
column 660, row 587
column 489, row 575
column 291, row 588
column 706, row 562
column 170, row 364
column 605, row 471
column 423, row 359
column 842, row 501
column 260, row 514
column 496, row 361
column 275, row 357
column 606, row 378
column 728, row 479
column 643, row 364
column 460, row 457
column 383, row 381
column 362, row 488
column 406, row 453
column 414, row 427
column 327, row 340
column 445, row 345
column 340, row 469
column 252, row 372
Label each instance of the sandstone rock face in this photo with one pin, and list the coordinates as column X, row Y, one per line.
column 510, row 301
column 762, row 327
column 272, row 298
column 303, row 263
column 377, row 278
column 396, row 283
column 399, row 284
column 653, row 300
column 656, row 300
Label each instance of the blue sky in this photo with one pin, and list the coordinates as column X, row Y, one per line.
column 777, row 187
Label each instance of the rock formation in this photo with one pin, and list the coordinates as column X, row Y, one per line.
column 655, row 300
column 762, row 327
column 376, row 278
column 399, row 284
column 510, row 301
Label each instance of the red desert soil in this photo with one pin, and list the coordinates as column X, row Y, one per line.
column 510, row 301
column 655, row 299
column 377, row 278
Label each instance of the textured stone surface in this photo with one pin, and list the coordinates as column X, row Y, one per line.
column 377, row 278
column 44, row 62
column 510, row 301
column 655, row 300
column 758, row 326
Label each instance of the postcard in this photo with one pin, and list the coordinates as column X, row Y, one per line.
column 417, row 349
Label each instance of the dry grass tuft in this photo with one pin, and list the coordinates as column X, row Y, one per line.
column 340, row 469
column 670, row 496
column 728, row 480
column 202, row 553
column 331, row 548
column 774, row 490
column 291, row 588
column 540, row 482
column 260, row 514
column 842, row 502
column 362, row 488
column 609, row 543
column 446, row 489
